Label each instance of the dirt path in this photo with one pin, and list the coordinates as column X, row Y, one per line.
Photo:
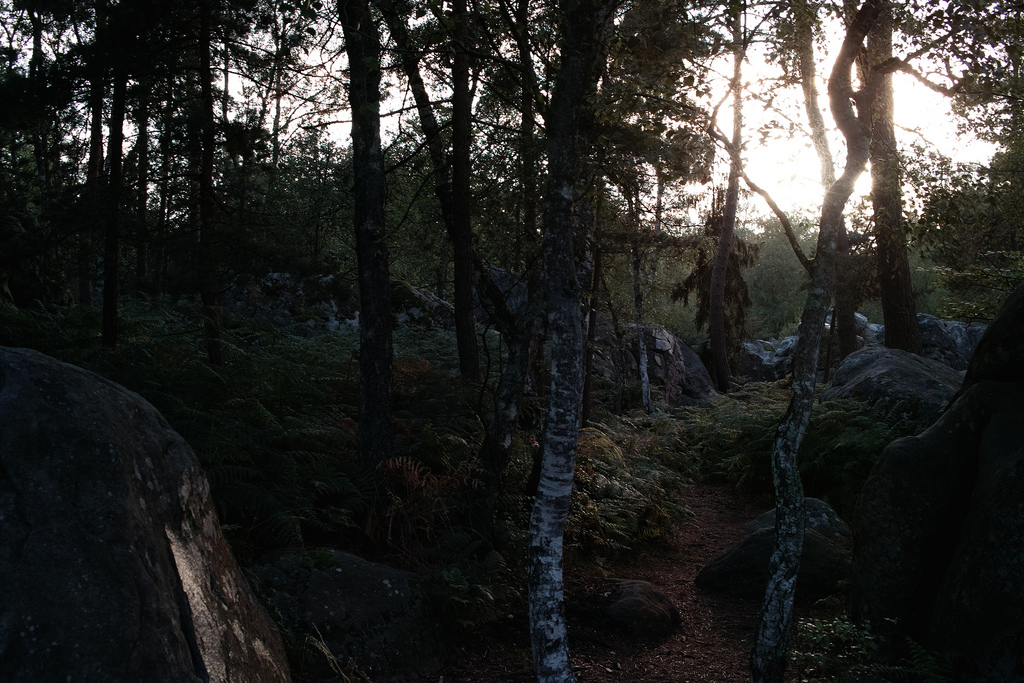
column 713, row 643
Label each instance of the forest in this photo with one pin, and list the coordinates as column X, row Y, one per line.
column 410, row 277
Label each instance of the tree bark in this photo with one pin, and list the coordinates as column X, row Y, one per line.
column 462, row 229
column 768, row 658
column 898, row 306
column 582, row 43
column 638, row 314
column 362, row 43
column 207, row 259
column 142, row 195
column 93, row 181
column 588, row 363
column 111, row 239
column 452, row 176
column 720, row 266
column 846, row 302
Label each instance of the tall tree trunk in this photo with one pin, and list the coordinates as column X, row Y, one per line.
column 462, row 233
column 582, row 45
column 898, row 306
column 638, row 314
column 768, row 658
column 452, row 176
column 846, row 301
column 588, row 363
column 93, row 182
column 111, row 239
column 362, row 43
column 142, row 196
column 720, row 266
column 207, row 258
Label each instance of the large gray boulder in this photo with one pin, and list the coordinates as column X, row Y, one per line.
column 939, row 553
column 671, row 364
column 950, row 342
column 675, row 366
column 333, row 602
column 742, row 570
column 885, row 377
column 112, row 562
column 818, row 515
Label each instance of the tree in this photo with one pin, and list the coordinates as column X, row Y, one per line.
column 716, row 309
column 897, row 292
column 768, row 658
column 582, row 45
column 362, row 44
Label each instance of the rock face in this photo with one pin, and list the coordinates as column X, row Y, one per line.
column 743, row 569
column 886, row 377
column 354, row 609
column 111, row 558
column 643, row 610
column 940, row 523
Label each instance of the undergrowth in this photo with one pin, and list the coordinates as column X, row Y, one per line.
column 732, row 442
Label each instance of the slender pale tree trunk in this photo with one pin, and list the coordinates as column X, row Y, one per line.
column 582, row 46
column 768, row 658
column 362, row 43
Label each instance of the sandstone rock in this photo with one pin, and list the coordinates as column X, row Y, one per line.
column 674, row 365
column 940, row 523
column 670, row 364
column 354, row 609
column 643, row 610
column 743, row 569
column 757, row 361
column 819, row 516
column 999, row 355
column 111, row 558
column 886, row 377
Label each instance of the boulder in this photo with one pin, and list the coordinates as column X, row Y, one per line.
column 670, row 364
column 886, row 378
column 784, row 356
column 757, row 361
column 940, row 522
column 643, row 610
column 112, row 561
column 675, row 366
column 415, row 306
column 742, row 570
column 937, row 342
column 818, row 515
column 320, row 302
column 333, row 602
column 999, row 355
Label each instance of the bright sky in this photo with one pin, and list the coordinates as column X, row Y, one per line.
column 787, row 166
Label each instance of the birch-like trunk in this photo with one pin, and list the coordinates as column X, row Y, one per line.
column 768, row 659
column 582, row 44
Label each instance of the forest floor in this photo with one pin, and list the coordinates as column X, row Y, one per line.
column 712, row 644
